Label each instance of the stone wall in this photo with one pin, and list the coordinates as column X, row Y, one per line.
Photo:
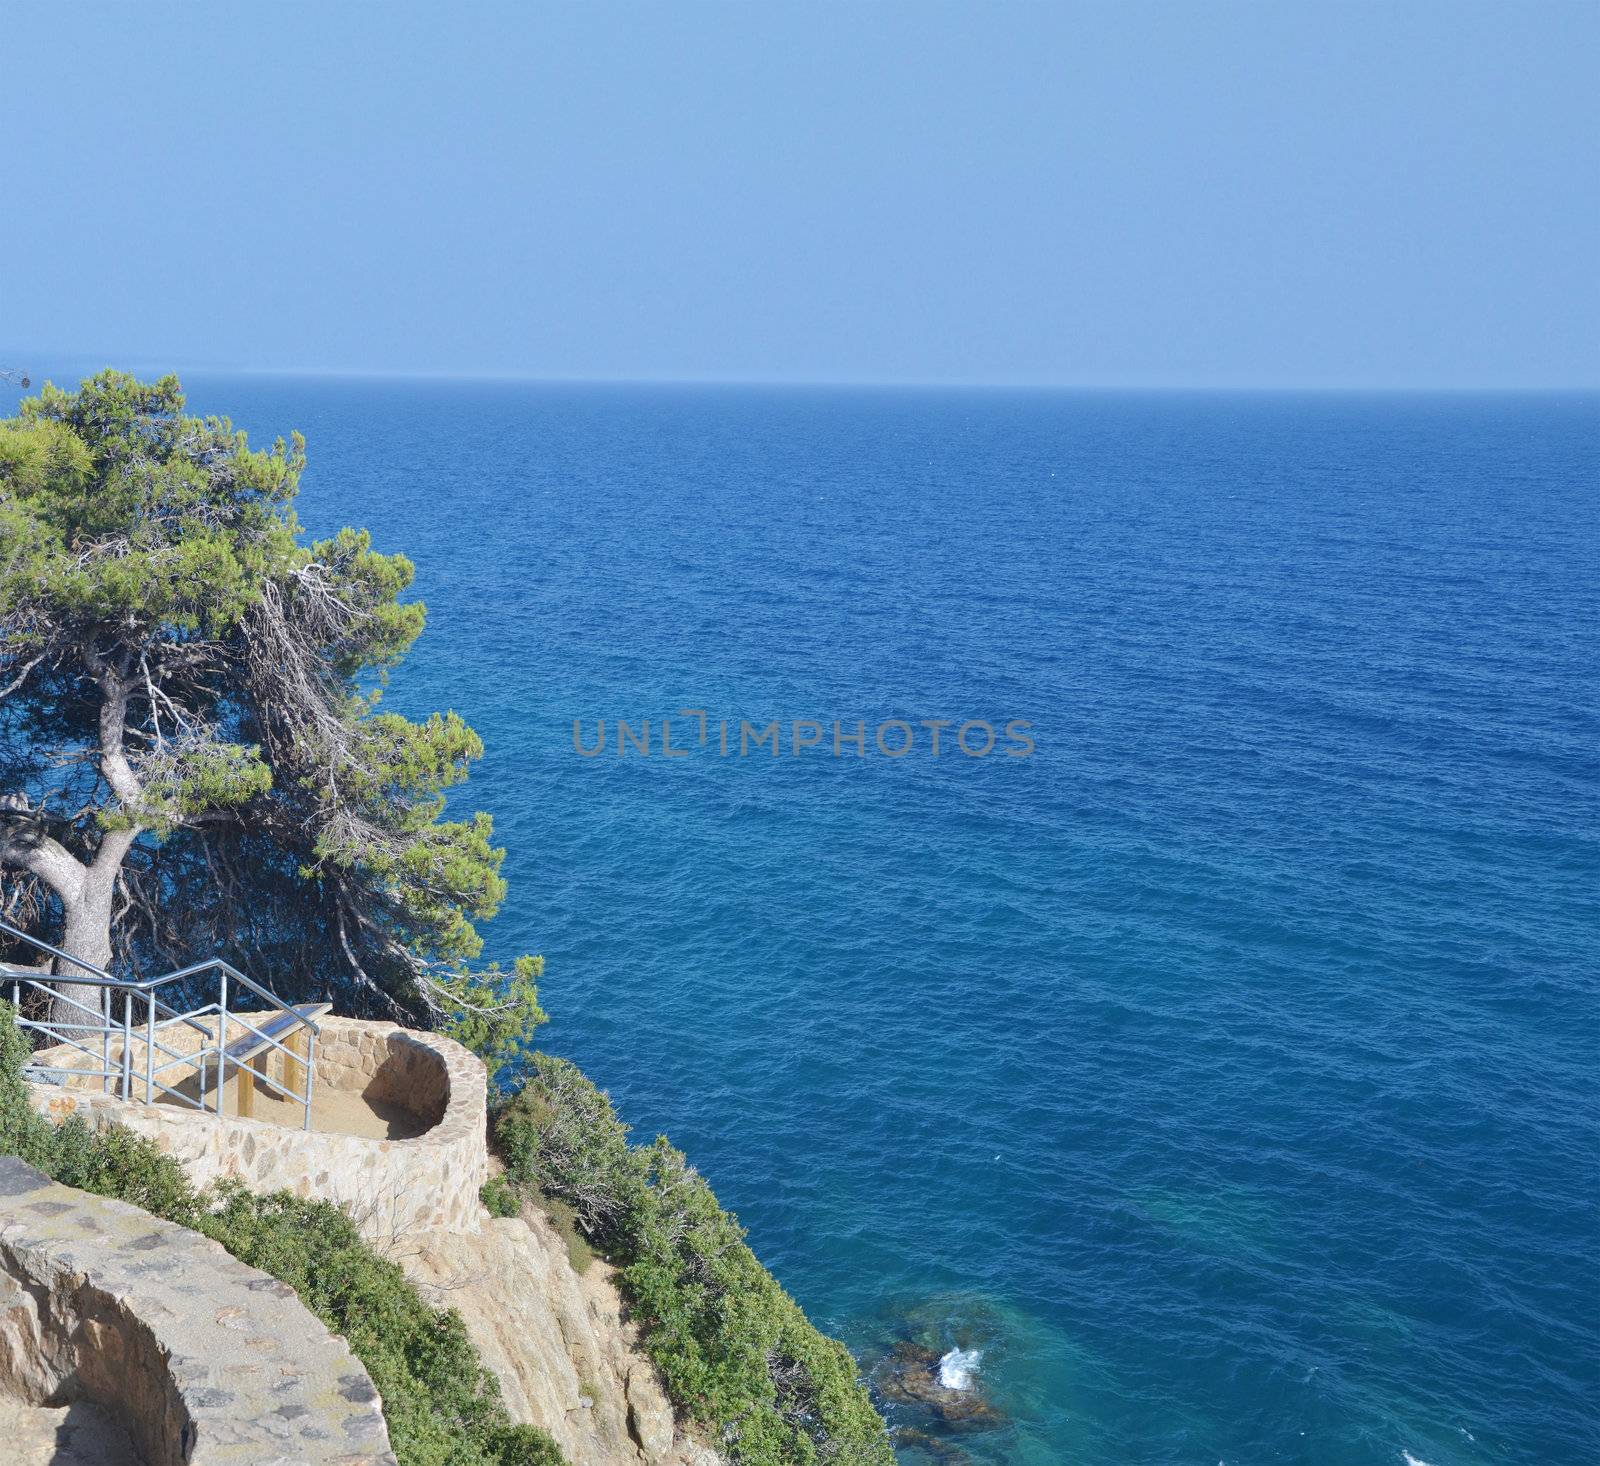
column 202, row 1360
column 390, row 1187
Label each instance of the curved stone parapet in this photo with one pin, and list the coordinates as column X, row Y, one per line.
column 200, row 1360
column 389, row 1187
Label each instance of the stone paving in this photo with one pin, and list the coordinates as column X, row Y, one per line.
column 202, row 1360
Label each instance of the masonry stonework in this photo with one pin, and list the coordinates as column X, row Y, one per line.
column 389, row 1187
column 201, row 1360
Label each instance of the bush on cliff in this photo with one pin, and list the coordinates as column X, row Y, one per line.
column 735, row 1351
column 442, row 1407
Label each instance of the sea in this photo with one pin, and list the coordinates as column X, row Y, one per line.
column 1198, row 1054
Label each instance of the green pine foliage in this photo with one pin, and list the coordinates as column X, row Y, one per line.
column 736, row 1352
column 194, row 755
column 443, row 1408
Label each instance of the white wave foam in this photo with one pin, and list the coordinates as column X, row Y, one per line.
column 1412, row 1460
column 957, row 1368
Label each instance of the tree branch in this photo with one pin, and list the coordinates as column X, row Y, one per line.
column 114, row 844
column 21, row 677
column 114, row 763
column 24, row 846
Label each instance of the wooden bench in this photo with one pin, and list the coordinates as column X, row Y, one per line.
column 248, row 1054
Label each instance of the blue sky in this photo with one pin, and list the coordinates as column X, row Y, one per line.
column 1122, row 194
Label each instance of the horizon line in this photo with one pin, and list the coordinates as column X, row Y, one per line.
column 534, row 378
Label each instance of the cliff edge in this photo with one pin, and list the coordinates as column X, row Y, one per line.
column 566, row 1359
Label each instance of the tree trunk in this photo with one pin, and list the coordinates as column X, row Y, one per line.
column 87, row 891
column 87, row 935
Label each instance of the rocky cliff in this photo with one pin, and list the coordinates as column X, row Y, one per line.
column 566, row 1359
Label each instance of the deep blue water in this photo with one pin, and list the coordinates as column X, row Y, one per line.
column 1225, row 1070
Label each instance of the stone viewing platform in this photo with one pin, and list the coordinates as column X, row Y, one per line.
column 129, row 1341
column 398, row 1133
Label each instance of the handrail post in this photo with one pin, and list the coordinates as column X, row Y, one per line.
column 127, row 1044
column 105, row 1040
column 310, row 1069
column 150, row 1047
column 222, row 1036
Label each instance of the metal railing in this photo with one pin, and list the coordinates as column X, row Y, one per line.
column 230, row 1045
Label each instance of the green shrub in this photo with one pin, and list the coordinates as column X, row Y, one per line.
column 559, row 1136
column 116, row 1162
column 22, row 1132
column 565, row 1220
column 499, row 1198
column 735, row 1351
column 523, row 1445
column 442, row 1407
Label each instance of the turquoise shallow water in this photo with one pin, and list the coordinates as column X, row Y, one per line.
column 1223, row 1072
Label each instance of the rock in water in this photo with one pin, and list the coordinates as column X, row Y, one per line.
column 911, row 1376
